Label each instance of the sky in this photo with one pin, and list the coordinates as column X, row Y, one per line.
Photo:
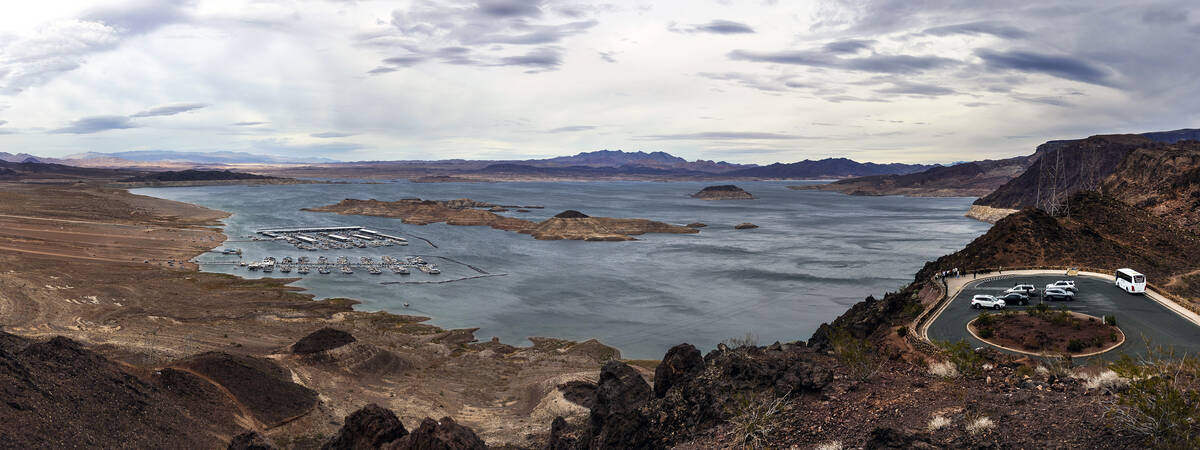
column 915, row 81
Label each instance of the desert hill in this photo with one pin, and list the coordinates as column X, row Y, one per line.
column 970, row 179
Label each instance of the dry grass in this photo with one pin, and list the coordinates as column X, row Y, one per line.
column 943, row 369
column 938, row 422
column 980, row 425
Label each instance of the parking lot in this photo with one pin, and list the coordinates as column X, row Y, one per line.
column 1139, row 316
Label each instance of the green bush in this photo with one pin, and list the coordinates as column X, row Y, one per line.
column 858, row 355
column 1162, row 401
column 1110, row 320
column 912, row 309
column 962, row 356
column 902, row 331
column 984, row 319
column 986, row 333
column 1075, row 346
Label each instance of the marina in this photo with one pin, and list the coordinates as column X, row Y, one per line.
column 329, row 238
column 304, row 265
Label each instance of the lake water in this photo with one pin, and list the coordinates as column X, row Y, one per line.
column 814, row 255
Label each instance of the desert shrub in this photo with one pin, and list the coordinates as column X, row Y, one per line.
column 858, row 355
column 1110, row 320
column 1075, row 346
column 938, row 422
column 984, row 319
column 755, row 417
column 748, row 340
column 1058, row 366
column 902, row 331
column 1024, row 371
column 1039, row 310
column 912, row 309
column 980, row 425
column 986, row 333
column 962, row 356
column 1162, row 401
column 1113, row 337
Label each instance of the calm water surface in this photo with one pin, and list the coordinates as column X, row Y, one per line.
column 814, row 255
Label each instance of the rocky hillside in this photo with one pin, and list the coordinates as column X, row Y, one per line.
column 1162, row 179
column 970, row 179
column 723, row 192
column 1085, row 165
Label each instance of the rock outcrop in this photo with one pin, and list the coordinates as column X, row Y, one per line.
column 368, row 428
column 251, row 440
column 723, row 192
column 321, row 340
column 373, row 427
column 988, row 214
column 745, row 226
column 971, row 179
column 616, row 420
column 683, row 362
column 578, row 226
column 260, row 385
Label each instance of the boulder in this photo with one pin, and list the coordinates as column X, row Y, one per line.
column 745, row 226
column 615, row 420
column 682, row 363
column 368, row 428
column 251, row 440
column 696, row 225
column 558, row 436
column 442, row 434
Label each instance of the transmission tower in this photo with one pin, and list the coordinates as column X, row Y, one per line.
column 1052, row 185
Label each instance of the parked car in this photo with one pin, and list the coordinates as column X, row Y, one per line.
column 1058, row 294
column 1066, row 285
column 1015, row 298
column 1026, row 289
column 986, row 301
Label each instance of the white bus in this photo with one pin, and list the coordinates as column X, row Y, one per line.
column 1130, row 281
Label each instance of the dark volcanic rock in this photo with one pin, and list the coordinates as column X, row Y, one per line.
column 616, row 421
column 580, row 393
column 321, row 340
column 442, row 434
column 367, row 428
column 571, row 214
column 559, row 440
column 682, row 363
column 889, row 438
column 251, row 440
column 696, row 225
column 745, row 226
column 260, row 385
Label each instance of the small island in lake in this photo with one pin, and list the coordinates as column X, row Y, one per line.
column 723, row 192
column 568, row 225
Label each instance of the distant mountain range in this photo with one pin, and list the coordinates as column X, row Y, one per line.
column 223, row 157
column 17, row 158
column 826, row 168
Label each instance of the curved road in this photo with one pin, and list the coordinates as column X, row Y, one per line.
column 1139, row 316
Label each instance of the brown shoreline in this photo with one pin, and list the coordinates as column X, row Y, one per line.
column 109, row 268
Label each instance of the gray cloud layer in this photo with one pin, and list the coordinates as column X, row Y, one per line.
column 96, row 124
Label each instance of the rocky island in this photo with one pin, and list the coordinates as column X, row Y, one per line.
column 568, row 225
column 723, row 192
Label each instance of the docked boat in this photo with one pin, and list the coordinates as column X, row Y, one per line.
column 400, row 270
column 346, row 270
column 374, row 270
column 302, row 270
column 323, row 270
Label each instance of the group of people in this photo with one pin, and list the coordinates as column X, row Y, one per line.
column 948, row 273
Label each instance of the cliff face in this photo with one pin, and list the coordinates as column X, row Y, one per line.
column 1162, row 179
column 1086, row 163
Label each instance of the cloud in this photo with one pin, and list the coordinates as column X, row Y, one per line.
column 2, row 122
column 510, row 8
column 1065, row 67
column 96, row 124
column 608, row 56
column 1164, row 16
column 50, row 51
column 248, row 124
column 849, row 46
column 170, row 110
column 140, row 16
column 877, row 63
column 381, row 70
column 543, row 58
column 777, row 83
column 918, row 89
column 285, row 146
column 568, row 129
column 722, row 136
column 715, row 27
column 331, row 134
column 979, row 28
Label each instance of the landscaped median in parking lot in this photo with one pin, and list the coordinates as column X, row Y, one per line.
column 1044, row 331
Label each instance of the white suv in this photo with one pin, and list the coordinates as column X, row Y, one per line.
column 1026, row 289
column 986, row 301
column 1067, row 285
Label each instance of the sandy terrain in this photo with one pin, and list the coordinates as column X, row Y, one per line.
column 108, row 268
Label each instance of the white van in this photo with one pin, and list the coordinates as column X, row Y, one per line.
column 1130, row 281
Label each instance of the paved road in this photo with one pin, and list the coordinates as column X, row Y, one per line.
column 1137, row 315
